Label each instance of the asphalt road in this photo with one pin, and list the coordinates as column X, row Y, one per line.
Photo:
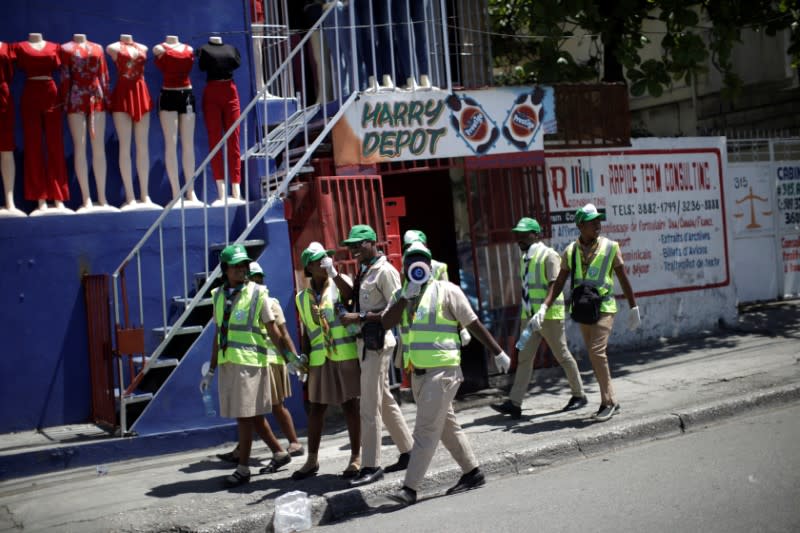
column 742, row 476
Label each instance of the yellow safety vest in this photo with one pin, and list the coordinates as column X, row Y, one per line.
column 598, row 275
column 439, row 270
column 534, row 271
column 430, row 340
column 344, row 344
column 247, row 339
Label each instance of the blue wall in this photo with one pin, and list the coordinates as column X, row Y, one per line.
column 149, row 21
column 44, row 371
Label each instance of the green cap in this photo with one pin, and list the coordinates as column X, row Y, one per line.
column 587, row 213
column 417, row 248
column 314, row 251
column 255, row 269
column 234, row 254
column 360, row 232
column 526, row 224
column 414, row 235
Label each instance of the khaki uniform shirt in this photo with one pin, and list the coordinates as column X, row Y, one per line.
column 377, row 286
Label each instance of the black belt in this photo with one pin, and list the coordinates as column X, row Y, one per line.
column 420, row 371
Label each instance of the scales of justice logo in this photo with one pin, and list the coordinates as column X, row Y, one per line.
column 752, row 198
column 472, row 124
column 524, row 119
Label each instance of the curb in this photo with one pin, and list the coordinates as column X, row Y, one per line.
column 328, row 509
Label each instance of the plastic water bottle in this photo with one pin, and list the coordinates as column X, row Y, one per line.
column 524, row 337
column 208, row 403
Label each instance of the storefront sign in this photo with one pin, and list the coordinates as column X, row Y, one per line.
column 664, row 207
column 406, row 125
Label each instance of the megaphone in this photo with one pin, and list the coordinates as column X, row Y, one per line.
column 418, row 272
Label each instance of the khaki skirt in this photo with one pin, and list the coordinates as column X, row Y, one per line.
column 279, row 383
column 334, row 382
column 244, row 391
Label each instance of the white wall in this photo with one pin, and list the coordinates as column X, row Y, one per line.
column 664, row 202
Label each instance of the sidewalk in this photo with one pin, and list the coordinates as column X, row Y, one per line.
column 664, row 390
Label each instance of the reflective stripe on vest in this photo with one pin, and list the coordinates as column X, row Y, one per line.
column 247, row 343
column 344, row 345
column 537, row 287
column 599, row 272
column 430, row 340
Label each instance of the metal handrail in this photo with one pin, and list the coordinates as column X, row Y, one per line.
column 291, row 171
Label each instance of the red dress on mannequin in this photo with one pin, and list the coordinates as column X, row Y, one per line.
column 45, row 177
column 6, row 102
column 131, row 95
column 84, row 78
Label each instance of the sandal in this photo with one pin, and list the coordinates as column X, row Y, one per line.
column 296, row 451
column 237, row 478
column 297, row 475
column 276, row 463
column 229, row 457
column 353, row 469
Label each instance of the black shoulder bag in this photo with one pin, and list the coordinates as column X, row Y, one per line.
column 584, row 299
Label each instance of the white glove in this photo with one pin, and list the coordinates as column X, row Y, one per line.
column 634, row 320
column 502, row 362
column 465, row 336
column 411, row 290
column 206, row 381
column 537, row 319
column 327, row 264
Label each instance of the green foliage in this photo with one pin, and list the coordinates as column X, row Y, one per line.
column 529, row 37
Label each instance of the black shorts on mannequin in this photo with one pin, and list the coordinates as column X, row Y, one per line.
column 180, row 100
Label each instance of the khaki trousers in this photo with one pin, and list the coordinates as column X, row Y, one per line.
column 554, row 333
column 378, row 405
column 434, row 392
column 595, row 337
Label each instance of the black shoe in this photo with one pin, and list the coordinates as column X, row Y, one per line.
column 298, row 475
column 401, row 464
column 606, row 412
column 367, row 475
column 472, row 479
column 231, row 456
column 276, row 463
column 404, row 496
column 236, row 479
column 508, row 408
column 576, row 402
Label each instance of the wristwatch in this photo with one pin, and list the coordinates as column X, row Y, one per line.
column 362, row 316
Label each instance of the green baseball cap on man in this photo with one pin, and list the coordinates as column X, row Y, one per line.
column 414, row 235
column 587, row 213
column 417, row 248
column 314, row 252
column 234, row 254
column 526, row 225
column 360, row 232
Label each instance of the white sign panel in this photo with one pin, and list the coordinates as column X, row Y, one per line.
column 664, row 207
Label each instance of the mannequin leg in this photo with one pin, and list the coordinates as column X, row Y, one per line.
column 186, row 122
column 169, row 124
column 124, row 126
column 99, row 164
column 140, row 132
column 77, row 128
column 8, row 169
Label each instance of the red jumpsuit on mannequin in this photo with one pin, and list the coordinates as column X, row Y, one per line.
column 6, row 102
column 45, row 177
column 221, row 105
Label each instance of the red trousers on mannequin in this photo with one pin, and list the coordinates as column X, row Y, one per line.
column 221, row 109
column 45, row 176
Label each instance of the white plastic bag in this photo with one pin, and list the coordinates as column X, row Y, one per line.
column 292, row 512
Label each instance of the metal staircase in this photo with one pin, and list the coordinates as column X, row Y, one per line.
column 288, row 132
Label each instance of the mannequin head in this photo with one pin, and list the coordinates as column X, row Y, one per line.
column 35, row 37
column 215, row 39
column 79, row 37
column 171, row 39
column 126, row 38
